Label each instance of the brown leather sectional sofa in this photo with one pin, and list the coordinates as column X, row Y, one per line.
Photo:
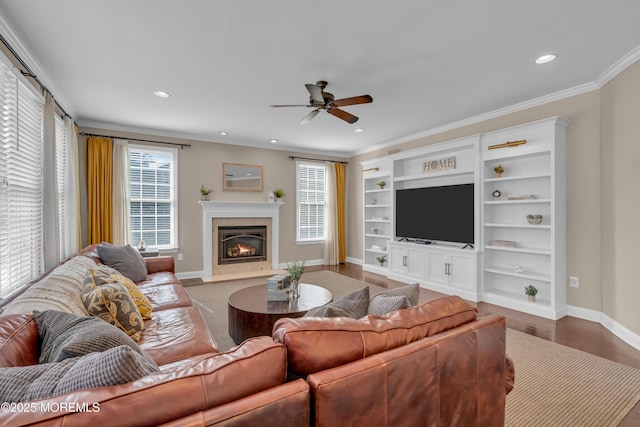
column 435, row 364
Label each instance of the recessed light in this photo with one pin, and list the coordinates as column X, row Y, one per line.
column 223, row 133
column 546, row 58
column 273, row 141
column 359, row 130
column 162, row 94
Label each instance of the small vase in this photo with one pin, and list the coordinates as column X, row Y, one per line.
column 204, row 197
column 498, row 174
column 532, row 298
column 295, row 289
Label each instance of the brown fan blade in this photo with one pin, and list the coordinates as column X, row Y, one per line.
column 341, row 114
column 315, row 92
column 287, row 105
column 363, row 99
column 308, row 117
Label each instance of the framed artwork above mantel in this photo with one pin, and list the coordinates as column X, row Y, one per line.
column 241, row 177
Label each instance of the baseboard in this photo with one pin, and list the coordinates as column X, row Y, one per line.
column 355, row 261
column 622, row 332
column 190, row 274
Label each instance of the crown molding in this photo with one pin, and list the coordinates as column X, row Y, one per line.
column 24, row 54
column 144, row 132
column 598, row 83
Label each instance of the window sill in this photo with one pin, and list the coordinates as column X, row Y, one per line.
column 310, row 242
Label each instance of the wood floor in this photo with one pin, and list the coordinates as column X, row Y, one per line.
column 584, row 335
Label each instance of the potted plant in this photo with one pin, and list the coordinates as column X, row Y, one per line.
column 295, row 269
column 381, row 184
column 279, row 194
column 498, row 170
column 531, row 292
column 204, row 193
column 381, row 260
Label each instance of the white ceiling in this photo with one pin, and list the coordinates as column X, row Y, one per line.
column 427, row 64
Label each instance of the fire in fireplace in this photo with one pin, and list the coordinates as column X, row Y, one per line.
column 242, row 244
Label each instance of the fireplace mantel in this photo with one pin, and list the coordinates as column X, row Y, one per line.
column 226, row 209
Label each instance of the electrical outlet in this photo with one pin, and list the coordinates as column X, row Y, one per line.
column 180, row 257
column 574, row 282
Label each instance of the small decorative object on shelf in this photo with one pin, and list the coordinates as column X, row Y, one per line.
column 374, row 201
column 520, row 269
column 521, row 197
column 204, row 193
column 381, row 260
column 503, row 243
column 142, row 245
column 271, row 197
column 381, row 184
column 534, row 219
column 498, row 170
column 496, row 194
column 531, row 292
column 279, row 194
column 374, row 230
column 295, row 269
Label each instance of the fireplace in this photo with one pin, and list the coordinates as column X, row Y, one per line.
column 240, row 244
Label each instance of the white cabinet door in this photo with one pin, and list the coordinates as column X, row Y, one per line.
column 437, row 268
column 416, row 263
column 461, row 274
column 397, row 259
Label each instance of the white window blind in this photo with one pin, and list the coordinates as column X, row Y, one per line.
column 153, row 212
column 21, row 145
column 62, row 179
column 310, row 201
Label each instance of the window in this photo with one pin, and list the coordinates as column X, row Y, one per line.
column 21, row 146
column 153, row 211
column 310, row 180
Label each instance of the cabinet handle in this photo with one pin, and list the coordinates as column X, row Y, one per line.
column 447, row 269
column 404, row 261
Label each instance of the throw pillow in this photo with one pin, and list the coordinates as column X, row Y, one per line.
column 104, row 274
column 65, row 335
column 387, row 303
column 353, row 305
column 118, row 365
column 125, row 259
column 412, row 292
column 112, row 303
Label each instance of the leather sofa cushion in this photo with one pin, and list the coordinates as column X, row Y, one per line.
column 315, row 344
column 159, row 278
column 163, row 297
column 18, row 340
column 175, row 334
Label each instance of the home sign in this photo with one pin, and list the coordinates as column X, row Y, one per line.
column 440, row 164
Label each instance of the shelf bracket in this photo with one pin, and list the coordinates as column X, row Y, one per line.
column 507, row 144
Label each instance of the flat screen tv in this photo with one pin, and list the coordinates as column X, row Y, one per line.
column 444, row 213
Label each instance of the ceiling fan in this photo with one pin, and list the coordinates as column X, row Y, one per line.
column 321, row 100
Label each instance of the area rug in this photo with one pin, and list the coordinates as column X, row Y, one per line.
column 555, row 385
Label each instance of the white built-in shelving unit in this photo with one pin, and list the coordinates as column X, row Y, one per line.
column 378, row 220
column 509, row 253
column 517, row 253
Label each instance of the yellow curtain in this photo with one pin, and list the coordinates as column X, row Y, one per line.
column 340, row 205
column 99, row 189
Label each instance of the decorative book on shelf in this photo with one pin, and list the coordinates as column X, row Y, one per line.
column 520, row 197
column 503, row 243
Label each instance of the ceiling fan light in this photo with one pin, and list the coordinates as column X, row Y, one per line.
column 162, row 94
column 546, row 58
column 359, row 130
column 223, row 133
column 273, row 141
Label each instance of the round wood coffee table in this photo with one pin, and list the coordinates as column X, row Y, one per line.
column 251, row 315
